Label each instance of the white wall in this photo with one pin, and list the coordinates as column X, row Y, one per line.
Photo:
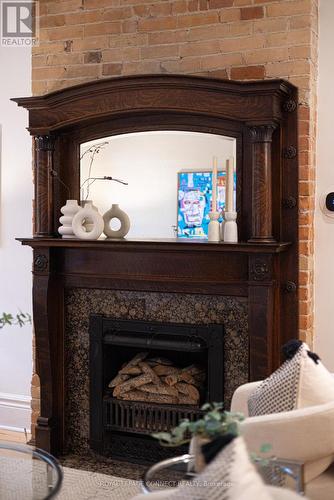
column 324, row 237
column 15, row 221
column 149, row 162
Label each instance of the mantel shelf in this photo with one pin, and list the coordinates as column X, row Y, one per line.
column 158, row 244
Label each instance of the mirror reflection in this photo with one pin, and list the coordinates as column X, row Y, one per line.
column 162, row 180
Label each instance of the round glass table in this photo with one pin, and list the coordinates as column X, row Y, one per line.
column 28, row 473
column 171, row 472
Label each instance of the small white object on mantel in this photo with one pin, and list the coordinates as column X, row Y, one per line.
column 116, row 213
column 69, row 210
column 214, row 227
column 230, row 227
column 229, row 198
column 214, row 184
column 88, row 224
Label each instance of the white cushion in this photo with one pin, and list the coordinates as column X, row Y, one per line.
column 230, row 476
column 299, row 383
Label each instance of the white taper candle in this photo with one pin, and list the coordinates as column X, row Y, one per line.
column 229, row 185
column 214, row 185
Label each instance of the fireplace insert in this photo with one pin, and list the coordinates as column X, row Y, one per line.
column 147, row 376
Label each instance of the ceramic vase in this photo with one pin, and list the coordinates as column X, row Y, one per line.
column 116, row 213
column 69, row 211
column 88, row 224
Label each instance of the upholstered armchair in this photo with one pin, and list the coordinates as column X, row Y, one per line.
column 305, row 435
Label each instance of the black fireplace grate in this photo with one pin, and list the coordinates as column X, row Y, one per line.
column 144, row 418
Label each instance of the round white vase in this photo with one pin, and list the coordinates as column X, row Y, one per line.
column 88, row 224
column 69, row 210
column 116, row 213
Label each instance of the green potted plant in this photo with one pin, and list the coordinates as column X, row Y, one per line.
column 19, row 319
column 213, row 423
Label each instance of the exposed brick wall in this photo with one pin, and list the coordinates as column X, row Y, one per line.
column 82, row 40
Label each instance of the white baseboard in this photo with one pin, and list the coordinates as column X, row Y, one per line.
column 15, row 412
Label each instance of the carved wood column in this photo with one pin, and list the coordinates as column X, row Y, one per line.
column 263, row 318
column 43, row 206
column 261, row 137
column 41, row 282
column 48, row 327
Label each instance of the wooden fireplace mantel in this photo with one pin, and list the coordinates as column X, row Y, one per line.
column 174, row 244
column 262, row 117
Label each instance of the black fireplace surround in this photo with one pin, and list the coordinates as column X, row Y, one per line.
column 122, row 429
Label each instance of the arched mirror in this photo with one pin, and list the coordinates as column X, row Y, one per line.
column 163, row 180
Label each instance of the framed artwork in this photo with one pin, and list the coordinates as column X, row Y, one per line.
column 194, row 202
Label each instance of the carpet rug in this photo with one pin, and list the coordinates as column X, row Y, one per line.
column 26, row 479
column 84, row 485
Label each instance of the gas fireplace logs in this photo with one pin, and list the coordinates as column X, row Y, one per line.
column 158, row 380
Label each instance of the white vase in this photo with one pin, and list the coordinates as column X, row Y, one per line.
column 116, row 213
column 88, row 224
column 69, row 210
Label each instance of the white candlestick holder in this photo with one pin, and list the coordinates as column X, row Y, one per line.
column 230, row 227
column 214, row 227
column 222, row 225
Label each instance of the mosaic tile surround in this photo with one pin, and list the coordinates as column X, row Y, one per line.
column 148, row 306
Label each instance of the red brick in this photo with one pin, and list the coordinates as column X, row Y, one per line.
column 200, row 48
column 219, row 4
column 159, row 51
column 218, row 73
column 251, row 13
column 217, row 61
column 117, row 14
column 91, row 43
column 51, row 21
column 288, row 8
column 167, row 37
column 112, row 69
column 102, row 28
column 121, row 54
column 58, row 6
column 197, row 19
column 61, row 33
column 129, row 26
column 160, row 9
column 248, row 73
column 179, row 7
column 83, row 17
column 157, row 24
column 98, row 4
column 193, row 5
column 93, row 57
